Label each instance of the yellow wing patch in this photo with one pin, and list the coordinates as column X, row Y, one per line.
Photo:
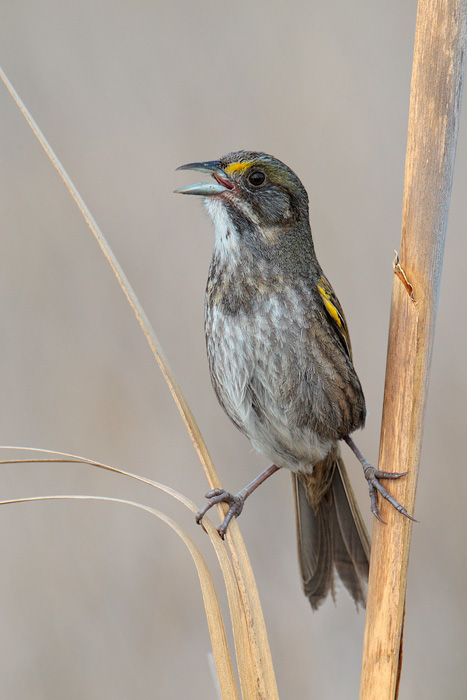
column 238, row 167
column 334, row 310
column 330, row 308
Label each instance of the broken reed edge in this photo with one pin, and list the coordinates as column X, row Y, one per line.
column 399, row 271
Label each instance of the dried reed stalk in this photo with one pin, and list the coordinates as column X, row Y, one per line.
column 437, row 79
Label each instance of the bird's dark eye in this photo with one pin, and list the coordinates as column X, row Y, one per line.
column 256, row 178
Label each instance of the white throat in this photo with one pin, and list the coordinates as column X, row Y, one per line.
column 226, row 241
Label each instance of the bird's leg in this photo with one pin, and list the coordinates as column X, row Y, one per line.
column 236, row 502
column 373, row 475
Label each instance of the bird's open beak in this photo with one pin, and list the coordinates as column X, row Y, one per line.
column 206, row 189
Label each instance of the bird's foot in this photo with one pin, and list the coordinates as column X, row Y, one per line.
column 235, row 503
column 373, row 475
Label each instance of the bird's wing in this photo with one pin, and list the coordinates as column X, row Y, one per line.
column 335, row 312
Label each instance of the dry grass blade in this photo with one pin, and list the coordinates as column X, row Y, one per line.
column 143, row 320
column 220, row 647
column 67, row 458
column 265, row 684
column 247, row 670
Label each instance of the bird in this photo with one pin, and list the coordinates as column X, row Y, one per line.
column 280, row 362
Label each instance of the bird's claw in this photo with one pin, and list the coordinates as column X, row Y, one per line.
column 235, row 503
column 373, row 475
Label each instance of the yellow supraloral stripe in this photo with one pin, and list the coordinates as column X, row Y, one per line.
column 238, row 167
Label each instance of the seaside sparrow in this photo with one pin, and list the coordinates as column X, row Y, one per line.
column 281, row 363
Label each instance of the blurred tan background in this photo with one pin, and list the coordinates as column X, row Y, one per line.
column 98, row 600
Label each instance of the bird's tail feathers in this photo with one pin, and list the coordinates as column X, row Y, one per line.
column 331, row 534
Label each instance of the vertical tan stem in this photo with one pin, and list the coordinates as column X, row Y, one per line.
column 437, row 79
